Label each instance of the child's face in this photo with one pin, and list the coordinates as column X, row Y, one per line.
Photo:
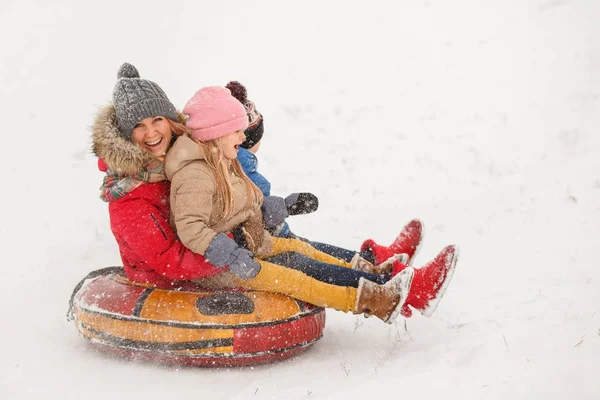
column 230, row 143
column 153, row 134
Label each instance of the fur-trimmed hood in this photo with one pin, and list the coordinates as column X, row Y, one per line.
column 120, row 155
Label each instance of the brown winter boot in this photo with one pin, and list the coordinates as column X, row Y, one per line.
column 384, row 301
column 360, row 264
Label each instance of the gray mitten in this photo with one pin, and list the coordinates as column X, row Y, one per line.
column 276, row 209
column 223, row 251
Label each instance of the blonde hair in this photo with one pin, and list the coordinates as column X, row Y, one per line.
column 178, row 128
column 213, row 154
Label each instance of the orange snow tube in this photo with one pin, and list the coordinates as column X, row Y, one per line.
column 190, row 325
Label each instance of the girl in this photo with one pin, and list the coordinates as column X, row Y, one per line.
column 216, row 212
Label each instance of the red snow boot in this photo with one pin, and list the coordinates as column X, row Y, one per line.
column 430, row 282
column 408, row 242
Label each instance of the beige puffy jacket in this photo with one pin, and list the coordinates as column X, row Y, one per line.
column 193, row 196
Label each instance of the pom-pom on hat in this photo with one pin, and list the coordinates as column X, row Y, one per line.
column 136, row 99
column 213, row 112
column 255, row 129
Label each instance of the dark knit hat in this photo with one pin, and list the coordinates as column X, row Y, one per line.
column 136, row 99
column 255, row 129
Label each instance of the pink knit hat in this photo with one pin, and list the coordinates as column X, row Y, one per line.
column 213, row 112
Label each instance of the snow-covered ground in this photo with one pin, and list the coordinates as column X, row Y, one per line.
column 479, row 117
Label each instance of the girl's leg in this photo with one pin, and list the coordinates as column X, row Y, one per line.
column 334, row 251
column 383, row 301
column 281, row 245
column 291, row 282
column 328, row 273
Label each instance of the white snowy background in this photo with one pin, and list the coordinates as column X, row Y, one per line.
column 479, row 117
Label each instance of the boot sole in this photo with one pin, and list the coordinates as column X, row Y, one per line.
column 405, row 283
column 433, row 303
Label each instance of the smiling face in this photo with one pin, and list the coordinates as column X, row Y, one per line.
column 230, row 143
column 153, row 134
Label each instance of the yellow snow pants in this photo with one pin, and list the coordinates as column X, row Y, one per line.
column 277, row 279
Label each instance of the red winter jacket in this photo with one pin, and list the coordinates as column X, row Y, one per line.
column 150, row 250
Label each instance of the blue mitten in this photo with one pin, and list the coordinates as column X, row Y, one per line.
column 223, row 251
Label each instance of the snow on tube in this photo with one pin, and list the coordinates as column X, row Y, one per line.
column 190, row 325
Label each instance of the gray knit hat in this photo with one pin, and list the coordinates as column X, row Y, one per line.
column 136, row 99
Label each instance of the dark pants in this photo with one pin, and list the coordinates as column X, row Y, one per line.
column 328, row 273
column 337, row 252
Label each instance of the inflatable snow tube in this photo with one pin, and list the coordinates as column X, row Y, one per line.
column 190, row 325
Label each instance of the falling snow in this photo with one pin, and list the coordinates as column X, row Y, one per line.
column 479, row 118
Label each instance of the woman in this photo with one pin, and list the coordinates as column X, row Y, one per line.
column 216, row 211
column 131, row 137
